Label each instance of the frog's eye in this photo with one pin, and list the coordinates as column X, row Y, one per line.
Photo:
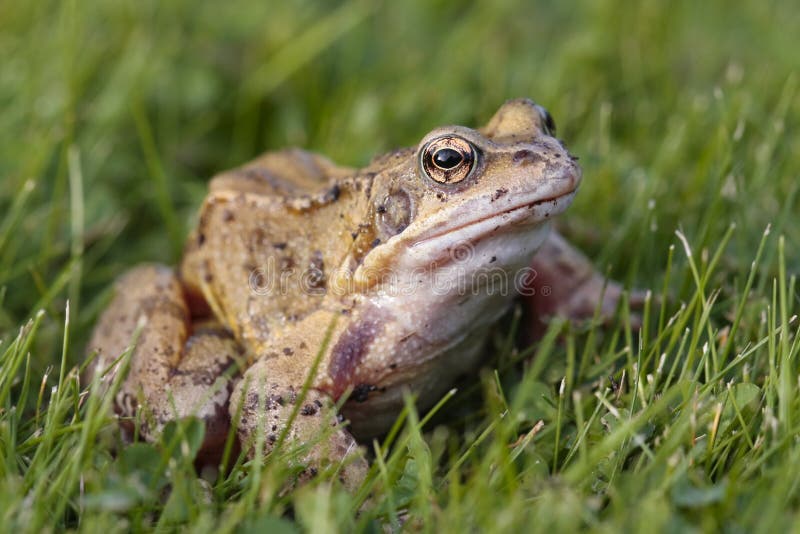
column 448, row 160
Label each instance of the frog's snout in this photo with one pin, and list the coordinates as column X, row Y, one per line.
column 573, row 176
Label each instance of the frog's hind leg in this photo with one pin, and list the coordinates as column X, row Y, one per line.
column 176, row 369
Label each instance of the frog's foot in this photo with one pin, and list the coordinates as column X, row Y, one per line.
column 565, row 284
column 174, row 372
column 267, row 405
column 200, row 386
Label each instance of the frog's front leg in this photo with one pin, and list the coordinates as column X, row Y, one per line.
column 270, row 393
column 566, row 284
column 177, row 368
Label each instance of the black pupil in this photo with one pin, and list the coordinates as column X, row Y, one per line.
column 447, row 158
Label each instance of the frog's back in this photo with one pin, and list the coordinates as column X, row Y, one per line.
column 283, row 173
column 270, row 233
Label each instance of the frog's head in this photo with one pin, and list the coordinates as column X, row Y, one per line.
column 476, row 198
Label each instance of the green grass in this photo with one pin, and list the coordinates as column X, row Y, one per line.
column 685, row 116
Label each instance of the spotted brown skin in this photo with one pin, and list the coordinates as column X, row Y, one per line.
column 320, row 275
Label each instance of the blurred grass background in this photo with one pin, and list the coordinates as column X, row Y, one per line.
column 113, row 115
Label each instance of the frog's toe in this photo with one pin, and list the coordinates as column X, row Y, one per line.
column 341, row 454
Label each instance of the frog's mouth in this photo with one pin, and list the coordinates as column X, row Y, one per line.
column 530, row 212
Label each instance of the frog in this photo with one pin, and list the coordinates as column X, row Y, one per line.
column 312, row 299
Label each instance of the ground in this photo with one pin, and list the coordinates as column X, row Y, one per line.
column 684, row 116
